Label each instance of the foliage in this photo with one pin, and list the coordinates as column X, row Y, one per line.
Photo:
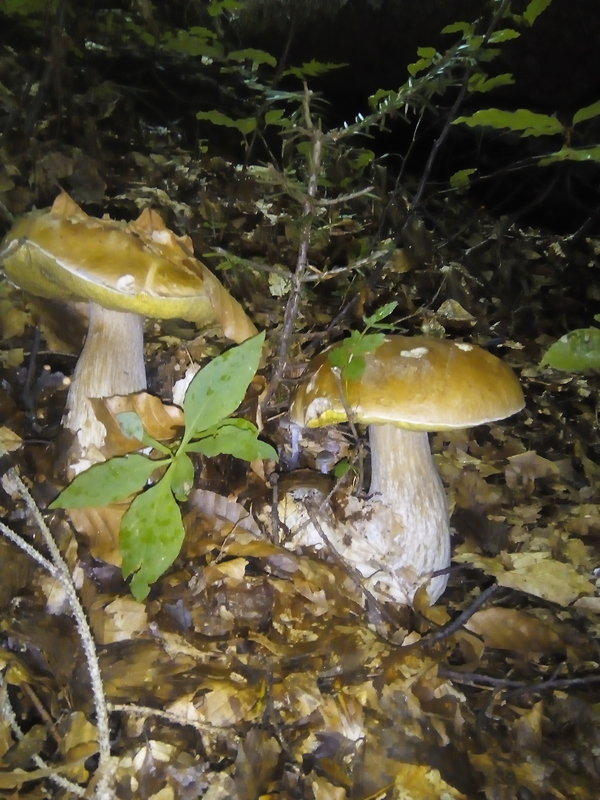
column 152, row 531
column 349, row 355
column 576, row 351
column 235, row 656
column 29, row 7
column 531, row 124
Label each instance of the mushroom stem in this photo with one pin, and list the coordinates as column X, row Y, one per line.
column 111, row 362
column 405, row 479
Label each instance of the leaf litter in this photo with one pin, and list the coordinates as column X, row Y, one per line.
column 254, row 671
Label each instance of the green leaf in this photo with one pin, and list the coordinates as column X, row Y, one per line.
column 527, row 122
column 577, row 351
column 534, row 9
column 342, row 468
column 572, row 154
column 480, row 82
column 381, row 313
column 461, row 179
column 312, row 69
column 151, row 536
column 108, row 482
column 466, row 28
column 218, row 389
column 418, row 66
column 348, row 356
column 503, row 35
column 588, row 112
column 216, row 7
column 277, row 116
column 240, row 441
column 253, row 54
column 131, row 424
column 24, row 7
column 181, row 476
column 195, row 41
column 244, row 126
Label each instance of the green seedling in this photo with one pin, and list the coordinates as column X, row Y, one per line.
column 152, row 531
column 349, row 355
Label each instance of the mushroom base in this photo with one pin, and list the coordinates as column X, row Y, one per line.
column 405, row 480
column 111, row 363
column 394, row 540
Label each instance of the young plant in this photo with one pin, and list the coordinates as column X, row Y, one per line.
column 152, row 532
column 349, row 355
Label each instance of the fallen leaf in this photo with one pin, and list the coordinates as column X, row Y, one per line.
column 511, row 629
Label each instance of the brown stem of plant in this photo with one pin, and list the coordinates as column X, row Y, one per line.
column 297, row 279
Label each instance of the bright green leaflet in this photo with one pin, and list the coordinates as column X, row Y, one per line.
column 108, row 482
column 219, row 388
column 349, row 354
column 151, row 536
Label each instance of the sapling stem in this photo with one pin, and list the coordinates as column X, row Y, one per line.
column 298, row 277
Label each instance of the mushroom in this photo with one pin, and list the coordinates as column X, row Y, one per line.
column 126, row 271
column 400, row 535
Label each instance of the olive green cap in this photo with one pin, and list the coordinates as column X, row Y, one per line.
column 414, row 382
column 140, row 267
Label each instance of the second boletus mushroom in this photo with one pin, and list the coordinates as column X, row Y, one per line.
column 400, row 536
column 126, row 272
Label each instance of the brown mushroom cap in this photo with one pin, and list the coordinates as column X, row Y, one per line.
column 140, row 267
column 414, row 382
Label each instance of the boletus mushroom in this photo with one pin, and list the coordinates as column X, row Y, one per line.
column 127, row 272
column 400, row 535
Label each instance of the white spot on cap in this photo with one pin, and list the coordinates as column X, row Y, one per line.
column 416, row 352
column 161, row 236
column 464, row 346
column 126, row 283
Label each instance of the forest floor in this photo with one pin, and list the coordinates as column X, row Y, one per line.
column 256, row 671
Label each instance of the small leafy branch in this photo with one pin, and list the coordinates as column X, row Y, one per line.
column 349, row 355
column 152, row 531
column 529, row 124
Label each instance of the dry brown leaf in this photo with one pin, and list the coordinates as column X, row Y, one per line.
column 9, row 441
column 224, row 514
column 528, row 727
column 322, row 789
column 122, row 619
column 420, row 782
column 101, row 528
column 255, row 763
column 524, row 469
column 79, row 743
column 162, row 421
column 511, row 629
column 534, row 573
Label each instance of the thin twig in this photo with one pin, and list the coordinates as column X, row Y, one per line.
column 59, row 569
column 135, row 710
column 297, row 279
column 477, row 680
column 458, row 622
